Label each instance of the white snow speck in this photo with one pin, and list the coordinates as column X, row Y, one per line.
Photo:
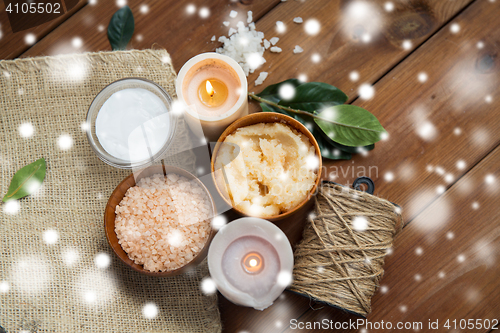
column 419, row 251
column 457, row 131
column 232, row 32
column 475, row 205
column 274, row 40
column 267, row 44
column 190, row 9
column 4, row 287
column 360, row 223
column 489, row 179
column 298, row 49
column 144, row 9
column 261, row 78
column 70, row 256
column 26, row 130
column 77, row 42
column 454, row 28
column 427, row 131
column 249, row 16
column 422, row 77
column 50, row 236
column 388, row 6
column 284, row 279
column 461, row 165
column 354, row 76
column 226, row 23
column 102, row 260
column 286, row 91
column 480, row 45
column 30, row 39
column 298, row 20
column 450, row 235
column 233, row 14
column 11, row 207
column 302, row 77
column 65, row 142
column 121, row 3
column 219, row 221
column 440, row 189
column 488, row 99
column 366, row 91
column 204, row 12
column 213, row 38
column 448, row 178
column 316, row 58
column 407, row 45
column 208, row 286
column 461, row 258
column 280, row 26
column 312, row 27
column 276, row 49
column 150, row 310
column 389, row 176
column 254, row 60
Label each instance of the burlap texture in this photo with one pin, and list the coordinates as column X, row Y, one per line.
column 59, row 287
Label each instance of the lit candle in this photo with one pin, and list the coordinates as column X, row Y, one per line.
column 214, row 89
column 251, row 262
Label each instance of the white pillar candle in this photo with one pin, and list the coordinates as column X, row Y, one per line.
column 213, row 87
column 251, row 262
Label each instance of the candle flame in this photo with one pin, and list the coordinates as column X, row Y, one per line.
column 210, row 89
column 253, row 262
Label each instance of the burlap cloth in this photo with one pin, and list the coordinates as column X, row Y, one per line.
column 59, row 287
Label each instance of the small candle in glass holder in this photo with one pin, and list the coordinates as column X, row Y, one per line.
column 251, row 262
column 214, row 89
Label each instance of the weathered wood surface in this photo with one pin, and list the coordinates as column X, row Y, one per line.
column 14, row 44
column 451, row 117
column 165, row 24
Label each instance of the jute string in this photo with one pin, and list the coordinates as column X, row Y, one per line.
column 340, row 258
column 58, row 287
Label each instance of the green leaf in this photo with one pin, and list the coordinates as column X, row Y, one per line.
column 347, row 149
column 274, row 88
column 121, row 28
column 26, row 180
column 322, row 95
column 353, row 126
column 328, row 150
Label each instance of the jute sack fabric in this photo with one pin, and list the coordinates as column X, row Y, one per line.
column 341, row 256
column 59, row 281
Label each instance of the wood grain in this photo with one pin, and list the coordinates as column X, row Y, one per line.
column 422, row 119
column 166, row 24
column 461, row 92
column 13, row 44
column 449, row 271
column 340, row 44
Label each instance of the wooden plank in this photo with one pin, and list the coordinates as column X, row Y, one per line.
column 165, row 24
column 445, row 272
column 342, row 44
column 398, row 99
column 13, row 44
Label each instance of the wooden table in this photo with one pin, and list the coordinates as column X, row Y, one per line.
column 434, row 65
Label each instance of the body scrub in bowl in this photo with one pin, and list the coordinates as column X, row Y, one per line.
column 266, row 165
column 161, row 223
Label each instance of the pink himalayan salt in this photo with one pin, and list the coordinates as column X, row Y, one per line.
column 163, row 222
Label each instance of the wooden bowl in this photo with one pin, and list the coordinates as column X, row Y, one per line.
column 256, row 118
column 117, row 196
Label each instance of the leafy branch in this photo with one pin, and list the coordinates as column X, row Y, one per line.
column 304, row 113
column 340, row 129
